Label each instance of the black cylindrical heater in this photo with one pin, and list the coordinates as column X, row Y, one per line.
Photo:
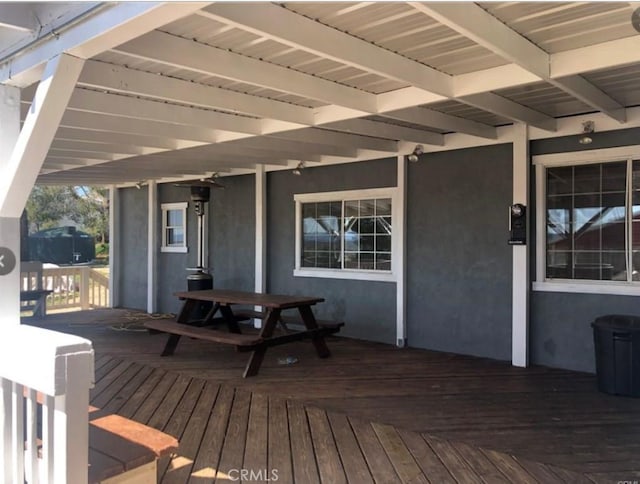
column 200, row 279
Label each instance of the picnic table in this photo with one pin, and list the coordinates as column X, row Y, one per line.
column 209, row 328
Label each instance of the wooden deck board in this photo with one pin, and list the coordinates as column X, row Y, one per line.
column 304, row 462
column 177, row 424
column 279, row 442
column 403, row 462
column 235, row 437
column 327, row 456
column 355, row 465
column 208, row 457
column 377, row 460
column 554, row 422
column 255, row 452
column 429, row 462
column 192, row 436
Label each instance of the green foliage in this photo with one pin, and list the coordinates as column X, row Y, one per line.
column 91, row 210
column 102, row 250
column 47, row 205
column 87, row 206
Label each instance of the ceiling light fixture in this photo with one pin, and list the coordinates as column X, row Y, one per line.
column 417, row 151
column 298, row 169
column 588, row 128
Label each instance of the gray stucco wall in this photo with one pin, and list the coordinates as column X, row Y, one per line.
column 368, row 308
column 132, row 283
column 458, row 260
column 561, row 335
column 232, row 233
column 172, row 267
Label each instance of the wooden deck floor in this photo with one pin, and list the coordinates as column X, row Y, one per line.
column 370, row 413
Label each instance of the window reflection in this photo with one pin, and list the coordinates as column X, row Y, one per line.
column 586, row 222
column 359, row 239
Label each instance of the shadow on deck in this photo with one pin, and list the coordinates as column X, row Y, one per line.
column 370, row 413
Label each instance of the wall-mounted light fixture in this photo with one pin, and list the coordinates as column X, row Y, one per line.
column 417, row 151
column 588, row 128
column 298, row 169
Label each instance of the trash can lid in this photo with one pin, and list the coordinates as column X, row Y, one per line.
column 618, row 321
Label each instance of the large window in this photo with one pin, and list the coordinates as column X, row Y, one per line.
column 346, row 232
column 174, row 227
column 590, row 221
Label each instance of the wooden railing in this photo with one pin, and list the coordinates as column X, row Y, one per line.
column 54, row 370
column 80, row 287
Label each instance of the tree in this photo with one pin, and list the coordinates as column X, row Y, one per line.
column 91, row 210
column 47, row 205
column 87, row 206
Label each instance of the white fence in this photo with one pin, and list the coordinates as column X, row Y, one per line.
column 79, row 287
column 53, row 371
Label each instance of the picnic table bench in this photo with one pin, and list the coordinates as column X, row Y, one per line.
column 257, row 344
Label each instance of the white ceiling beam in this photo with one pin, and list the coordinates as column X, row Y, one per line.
column 111, row 26
column 436, row 119
column 326, row 136
column 269, row 143
column 387, row 130
column 605, row 55
column 122, row 79
column 144, row 142
column 187, row 54
column 282, row 25
column 131, row 107
column 90, row 155
column 75, row 145
column 18, row 16
column 475, row 23
column 493, row 79
column 38, row 130
column 276, row 22
column 186, row 135
column 499, row 105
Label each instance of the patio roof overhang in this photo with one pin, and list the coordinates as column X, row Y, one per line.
column 182, row 90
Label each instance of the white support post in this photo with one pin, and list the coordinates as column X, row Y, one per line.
column 114, row 246
column 48, row 106
column 399, row 257
column 152, row 253
column 9, row 226
column 261, row 235
column 520, row 277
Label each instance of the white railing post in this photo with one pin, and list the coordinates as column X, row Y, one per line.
column 60, row 368
column 84, row 287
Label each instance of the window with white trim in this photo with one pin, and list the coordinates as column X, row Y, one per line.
column 174, row 227
column 589, row 220
column 345, row 234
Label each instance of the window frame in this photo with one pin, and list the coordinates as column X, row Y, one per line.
column 164, row 209
column 354, row 274
column 596, row 156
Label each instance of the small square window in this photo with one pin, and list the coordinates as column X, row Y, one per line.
column 174, row 227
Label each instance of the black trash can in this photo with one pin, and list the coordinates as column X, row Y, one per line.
column 617, row 343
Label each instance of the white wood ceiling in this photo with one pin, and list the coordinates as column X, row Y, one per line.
column 232, row 85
